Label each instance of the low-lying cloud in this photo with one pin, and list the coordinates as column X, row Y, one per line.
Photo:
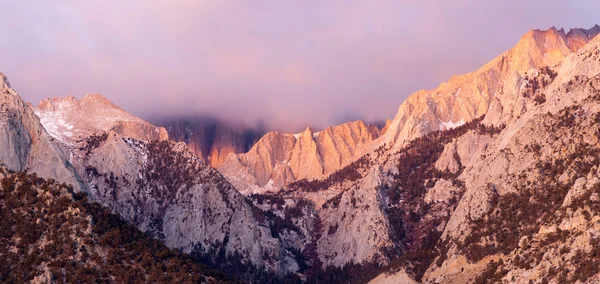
column 287, row 63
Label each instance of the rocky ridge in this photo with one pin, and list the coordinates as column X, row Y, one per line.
column 51, row 234
column 516, row 218
column 129, row 167
column 278, row 159
column 70, row 120
column 494, row 90
column 24, row 143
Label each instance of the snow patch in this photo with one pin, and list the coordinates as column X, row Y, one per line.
column 449, row 124
column 55, row 124
column 270, row 184
column 297, row 135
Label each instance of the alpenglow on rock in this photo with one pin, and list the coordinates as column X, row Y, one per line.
column 278, row 159
column 25, row 144
column 70, row 120
column 494, row 90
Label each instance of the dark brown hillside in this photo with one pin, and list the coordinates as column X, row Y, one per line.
column 48, row 233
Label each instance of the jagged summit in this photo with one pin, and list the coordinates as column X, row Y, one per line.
column 384, row 129
column 589, row 33
column 69, row 119
column 494, row 89
column 24, row 143
column 278, row 159
column 308, row 132
column 212, row 140
column 4, row 81
column 96, row 100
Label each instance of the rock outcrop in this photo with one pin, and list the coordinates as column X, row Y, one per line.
column 70, row 120
column 529, row 188
column 278, row 159
column 494, row 90
column 25, row 144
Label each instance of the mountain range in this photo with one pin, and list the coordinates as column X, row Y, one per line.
column 490, row 177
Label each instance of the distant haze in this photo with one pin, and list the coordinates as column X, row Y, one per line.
column 288, row 64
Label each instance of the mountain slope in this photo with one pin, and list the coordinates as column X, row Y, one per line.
column 403, row 199
column 157, row 185
column 169, row 193
column 526, row 209
column 49, row 234
column 70, row 120
column 492, row 176
column 25, row 144
column 493, row 90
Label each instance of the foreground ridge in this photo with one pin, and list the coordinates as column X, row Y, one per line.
column 51, row 234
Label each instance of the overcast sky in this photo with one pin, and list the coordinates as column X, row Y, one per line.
column 287, row 63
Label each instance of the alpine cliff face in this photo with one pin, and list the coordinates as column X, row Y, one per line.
column 25, row 144
column 278, row 159
column 70, row 120
column 493, row 90
column 527, row 212
column 212, row 140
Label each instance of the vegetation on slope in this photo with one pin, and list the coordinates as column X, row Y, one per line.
column 49, row 233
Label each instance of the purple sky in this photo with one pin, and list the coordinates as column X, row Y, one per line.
column 288, row 63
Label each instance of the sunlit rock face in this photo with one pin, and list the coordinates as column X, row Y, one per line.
column 278, row 159
column 70, row 120
column 494, row 90
column 528, row 189
column 25, row 144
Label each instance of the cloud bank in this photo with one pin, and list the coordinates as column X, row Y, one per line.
column 287, row 63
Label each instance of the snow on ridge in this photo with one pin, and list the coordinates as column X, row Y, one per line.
column 449, row 124
column 55, row 124
column 297, row 135
column 62, row 117
column 270, row 184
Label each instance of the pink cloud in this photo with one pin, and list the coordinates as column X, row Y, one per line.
column 288, row 63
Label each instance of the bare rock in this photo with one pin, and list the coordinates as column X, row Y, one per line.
column 578, row 189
